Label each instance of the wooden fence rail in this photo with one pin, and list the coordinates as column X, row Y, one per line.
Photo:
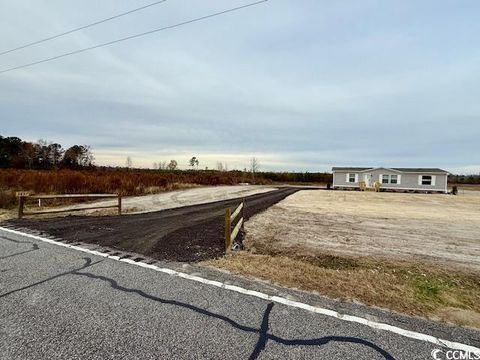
column 230, row 235
column 23, row 198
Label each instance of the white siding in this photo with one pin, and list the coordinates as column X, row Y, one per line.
column 405, row 180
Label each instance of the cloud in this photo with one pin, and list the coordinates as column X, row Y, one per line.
column 301, row 86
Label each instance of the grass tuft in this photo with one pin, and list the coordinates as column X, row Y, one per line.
column 428, row 289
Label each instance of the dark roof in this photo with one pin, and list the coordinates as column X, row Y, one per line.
column 419, row 170
column 350, row 168
column 429, row 170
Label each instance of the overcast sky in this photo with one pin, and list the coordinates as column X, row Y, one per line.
column 301, row 85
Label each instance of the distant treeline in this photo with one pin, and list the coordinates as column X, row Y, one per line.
column 16, row 153
column 464, row 179
column 238, row 175
column 298, row 177
column 19, row 154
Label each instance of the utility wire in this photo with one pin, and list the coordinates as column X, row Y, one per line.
column 133, row 36
column 81, row 28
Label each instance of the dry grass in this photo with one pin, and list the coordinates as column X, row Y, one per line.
column 415, row 289
column 413, row 253
column 126, row 182
column 7, row 214
column 473, row 187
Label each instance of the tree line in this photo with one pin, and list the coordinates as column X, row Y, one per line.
column 298, row 177
column 464, row 179
column 20, row 154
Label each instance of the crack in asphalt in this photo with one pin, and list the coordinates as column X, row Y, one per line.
column 263, row 335
column 325, row 340
column 88, row 263
column 143, row 294
column 34, row 247
column 15, row 240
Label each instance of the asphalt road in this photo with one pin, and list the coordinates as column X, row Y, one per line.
column 190, row 233
column 60, row 303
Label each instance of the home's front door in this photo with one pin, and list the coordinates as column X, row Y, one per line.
column 368, row 179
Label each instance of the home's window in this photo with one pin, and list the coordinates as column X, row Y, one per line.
column 390, row 179
column 426, row 180
column 351, row 178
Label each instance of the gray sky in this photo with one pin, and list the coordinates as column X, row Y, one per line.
column 302, row 85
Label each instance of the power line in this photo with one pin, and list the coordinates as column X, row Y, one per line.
column 133, row 36
column 81, row 28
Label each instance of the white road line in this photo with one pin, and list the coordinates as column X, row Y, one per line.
column 277, row 299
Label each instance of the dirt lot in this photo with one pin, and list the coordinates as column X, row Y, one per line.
column 413, row 253
column 431, row 227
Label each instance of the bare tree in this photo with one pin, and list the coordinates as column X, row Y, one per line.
column 162, row 165
column 43, row 152
column 172, row 165
column 194, row 162
column 129, row 162
column 222, row 166
column 86, row 158
column 254, row 166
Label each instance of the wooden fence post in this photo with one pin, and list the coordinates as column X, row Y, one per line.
column 228, row 231
column 21, row 203
column 119, row 204
column 243, row 215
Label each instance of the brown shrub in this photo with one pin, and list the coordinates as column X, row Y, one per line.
column 7, row 198
column 126, row 182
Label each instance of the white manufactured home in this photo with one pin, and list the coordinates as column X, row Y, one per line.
column 395, row 179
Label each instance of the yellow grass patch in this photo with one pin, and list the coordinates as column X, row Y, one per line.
column 401, row 286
